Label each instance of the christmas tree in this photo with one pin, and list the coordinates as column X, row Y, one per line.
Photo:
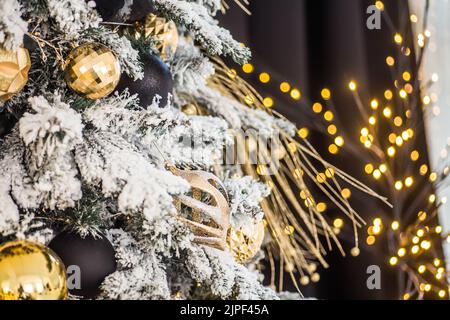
column 118, row 124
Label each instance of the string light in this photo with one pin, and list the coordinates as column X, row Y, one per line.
column 352, row 85
column 264, row 77
column 285, row 87
column 418, row 240
column 390, row 61
column 317, row 107
column 374, row 104
column 326, row 94
column 387, row 112
column 295, row 94
column 247, row 68
column 395, row 225
column 332, row 130
column 328, row 115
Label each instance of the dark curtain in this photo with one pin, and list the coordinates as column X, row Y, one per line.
column 325, row 43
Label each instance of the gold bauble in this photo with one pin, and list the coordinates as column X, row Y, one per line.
column 92, row 70
column 245, row 242
column 192, row 109
column 14, row 67
column 164, row 32
column 30, row 271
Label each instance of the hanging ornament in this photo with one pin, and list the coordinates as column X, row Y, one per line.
column 157, row 81
column 30, row 271
column 163, row 32
column 192, row 109
column 92, row 70
column 95, row 258
column 14, row 67
column 123, row 10
column 208, row 222
column 246, row 241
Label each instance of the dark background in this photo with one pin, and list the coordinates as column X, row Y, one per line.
column 314, row 44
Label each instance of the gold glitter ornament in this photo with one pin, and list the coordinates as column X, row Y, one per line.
column 208, row 222
column 14, row 67
column 164, row 32
column 92, row 70
column 245, row 242
column 31, row 271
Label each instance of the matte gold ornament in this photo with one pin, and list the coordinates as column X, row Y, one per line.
column 245, row 242
column 190, row 109
column 30, row 271
column 14, row 67
column 209, row 222
column 92, row 70
column 164, row 32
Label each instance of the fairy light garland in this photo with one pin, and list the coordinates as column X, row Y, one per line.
column 414, row 252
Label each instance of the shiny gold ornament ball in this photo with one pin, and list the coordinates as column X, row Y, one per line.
column 30, row 271
column 164, row 32
column 245, row 242
column 14, row 67
column 92, row 70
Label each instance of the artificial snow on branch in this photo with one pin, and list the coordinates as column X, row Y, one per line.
column 73, row 16
column 12, row 26
column 194, row 141
column 196, row 18
column 50, row 135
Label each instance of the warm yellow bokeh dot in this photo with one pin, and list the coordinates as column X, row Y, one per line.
column 328, row 115
column 370, row 240
column 368, row 168
column 376, row 174
column 317, row 107
column 346, row 193
column 248, row 68
column 393, row 261
column 398, row 38
column 326, row 94
column 423, row 169
column 264, row 77
column 333, row 149
column 398, row 121
column 268, row 102
column 321, row 207
column 387, row 112
column 379, row 5
column 295, row 94
column 398, row 185
column 388, row 94
column 409, row 182
column 285, row 87
column 406, row 76
column 338, row 223
column 372, row 120
column 392, row 137
column 390, row 61
column 391, row 151
column 401, row 252
column 395, row 225
column 332, row 129
column 339, row 141
column 303, row 133
column 403, row 94
column 374, row 104
column 352, row 85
